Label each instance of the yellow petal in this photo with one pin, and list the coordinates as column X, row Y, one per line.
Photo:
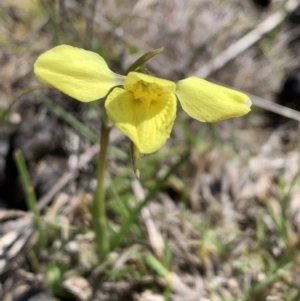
column 82, row 74
column 208, row 102
column 147, row 125
column 133, row 77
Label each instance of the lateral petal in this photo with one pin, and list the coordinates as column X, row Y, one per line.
column 208, row 102
column 83, row 75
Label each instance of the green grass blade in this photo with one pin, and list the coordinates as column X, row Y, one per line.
column 77, row 125
column 30, row 196
column 259, row 287
column 156, row 265
column 70, row 119
column 134, row 214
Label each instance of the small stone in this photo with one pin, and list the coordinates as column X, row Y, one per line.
column 78, row 286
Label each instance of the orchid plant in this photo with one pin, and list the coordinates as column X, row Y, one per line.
column 140, row 105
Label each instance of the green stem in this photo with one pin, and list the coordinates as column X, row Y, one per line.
column 98, row 206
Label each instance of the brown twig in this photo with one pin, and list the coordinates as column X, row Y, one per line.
column 275, row 108
column 247, row 40
column 68, row 176
column 155, row 237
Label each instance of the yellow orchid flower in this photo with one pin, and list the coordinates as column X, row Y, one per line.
column 143, row 107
